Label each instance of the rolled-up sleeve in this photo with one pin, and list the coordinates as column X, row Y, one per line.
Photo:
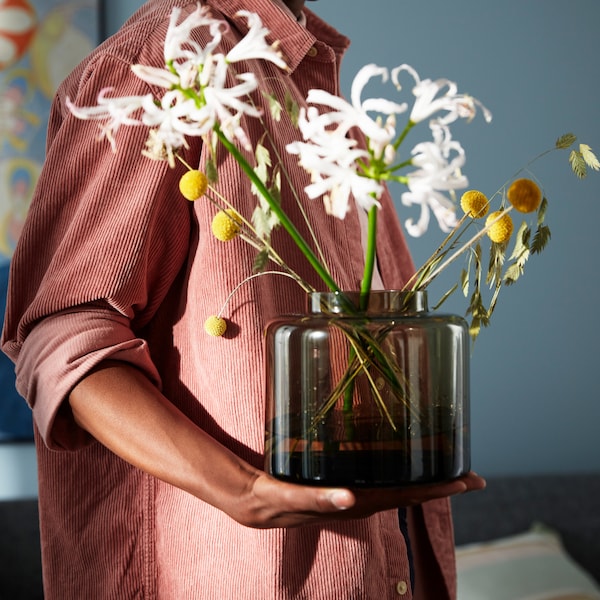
column 105, row 238
column 59, row 351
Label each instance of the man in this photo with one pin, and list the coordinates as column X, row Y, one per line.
column 150, row 433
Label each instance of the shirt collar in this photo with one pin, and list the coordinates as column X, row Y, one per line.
column 301, row 19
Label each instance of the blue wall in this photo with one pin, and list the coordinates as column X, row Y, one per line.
column 534, row 64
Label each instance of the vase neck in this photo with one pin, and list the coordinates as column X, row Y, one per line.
column 379, row 302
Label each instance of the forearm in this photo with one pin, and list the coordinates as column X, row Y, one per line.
column 124, row 411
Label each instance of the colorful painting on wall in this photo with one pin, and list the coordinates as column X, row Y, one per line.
column 41, row 41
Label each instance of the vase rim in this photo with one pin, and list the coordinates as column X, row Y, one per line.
column 386, row 301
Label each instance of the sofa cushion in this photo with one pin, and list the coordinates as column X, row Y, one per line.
column 531, row 565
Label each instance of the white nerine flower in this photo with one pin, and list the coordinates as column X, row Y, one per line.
column 334, row 176
column 113, row 111
column 430, row 99
column 226, row 105
column 331, row 158
column 439, row 163
column 254, row 44
column 179, row 44
column 155, row 76
column 345, row 115
column 209, row 100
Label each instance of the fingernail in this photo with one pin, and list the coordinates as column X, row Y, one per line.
column 341, row 499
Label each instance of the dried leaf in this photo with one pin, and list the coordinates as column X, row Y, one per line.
column 275, row 107
column 464, row 282
column 474, row 328
column 497, row 257
column 564, row 141
column 542, row 211
column 513, row 273
column 292, row 108
column 260, row 262
column 578, row 164
column 210, row 169
column 540, row 239
column 446, row 296
column 589, row 157
column 521, row 250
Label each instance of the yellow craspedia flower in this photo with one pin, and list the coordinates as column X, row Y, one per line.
column 193, row 184
column 475, row 204
column 215, row 326
column 502, row 229
column 226, row 225
column 525, row 195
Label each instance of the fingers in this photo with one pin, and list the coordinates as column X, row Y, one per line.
column 274, row 503
column 280, row 504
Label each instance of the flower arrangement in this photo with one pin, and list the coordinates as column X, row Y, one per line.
column 200, row 101
column 205, row 97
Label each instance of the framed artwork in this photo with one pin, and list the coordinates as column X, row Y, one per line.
column 41, row 41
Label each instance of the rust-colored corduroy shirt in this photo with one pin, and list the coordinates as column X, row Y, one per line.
column 113, row 263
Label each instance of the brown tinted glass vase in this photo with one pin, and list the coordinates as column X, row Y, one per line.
column 376, row 396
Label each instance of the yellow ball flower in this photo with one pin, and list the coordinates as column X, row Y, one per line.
column 475, row 204
column 226, row 225
column 524, row 195
column 193, row 184
column 215, row 326
column 502, row 229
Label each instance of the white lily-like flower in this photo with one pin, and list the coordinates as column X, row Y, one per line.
column 179, row 43
column 330, row 155
column 224, row 105
column 331, row 159
column 114, row 112
column 345, row 115
column 254, row 44
column 439, row 170
column 155, row 76
column 431, row 99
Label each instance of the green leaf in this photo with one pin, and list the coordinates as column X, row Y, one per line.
column 566, row 140
column 578, row 164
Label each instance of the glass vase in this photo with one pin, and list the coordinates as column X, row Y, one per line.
column 367, row 396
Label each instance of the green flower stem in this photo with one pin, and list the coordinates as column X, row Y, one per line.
column 276, row 208
column 370, row 254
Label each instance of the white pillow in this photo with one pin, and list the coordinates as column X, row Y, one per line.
column 528, row 566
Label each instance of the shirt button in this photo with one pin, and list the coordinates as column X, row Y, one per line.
column 312, row 51
column 401, row 588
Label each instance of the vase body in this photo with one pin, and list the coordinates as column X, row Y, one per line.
column 367, row 397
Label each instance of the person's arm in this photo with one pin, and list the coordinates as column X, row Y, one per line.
column 119, row 407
